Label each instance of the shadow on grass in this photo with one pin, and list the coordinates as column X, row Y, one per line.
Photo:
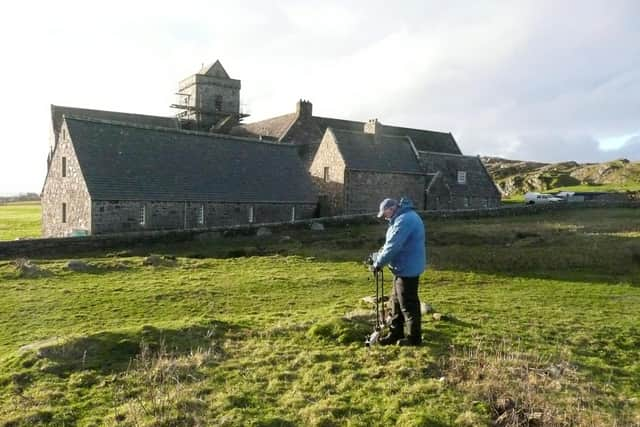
column 112, row 352
column 573, row 246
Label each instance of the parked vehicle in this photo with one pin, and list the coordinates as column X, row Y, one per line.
column 533, row 198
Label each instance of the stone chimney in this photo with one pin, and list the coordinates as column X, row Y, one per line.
column 374, row 127
column 304, row 108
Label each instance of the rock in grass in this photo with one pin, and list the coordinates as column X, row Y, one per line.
column 437, row 316
column 26, row 268
column 372, row 299
column 77, row 265
column 154, row 260
column 157, row 260
column 426, row 308
column 263, row 231
column 317, row 226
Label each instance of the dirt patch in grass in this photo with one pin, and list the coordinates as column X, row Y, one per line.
column 523, row 388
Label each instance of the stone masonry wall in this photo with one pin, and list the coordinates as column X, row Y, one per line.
column 365, row 190
column 70, row 190
column 203, row 90
column 57, row 247
column 126, row 216
column 329, row 156
column 441, row 196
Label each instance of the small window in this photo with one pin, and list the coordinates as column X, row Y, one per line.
column 143, row 215
column 218, row 103
column 64, row 167
column 466, row 202
column 326, row 174
column 201, row 215
column 293, row 213
column 64, row 212
column 64, row 134
column 485, row 203
column 462, row 177
column 251, row 215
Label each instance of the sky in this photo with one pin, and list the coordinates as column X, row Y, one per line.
column 532, row 80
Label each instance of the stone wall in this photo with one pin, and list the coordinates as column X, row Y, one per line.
column 365, row 190
column 332, row 189
column 70, row 190
column 126, row 216
column 57, row 247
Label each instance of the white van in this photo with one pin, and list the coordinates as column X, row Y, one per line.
column 536, row 198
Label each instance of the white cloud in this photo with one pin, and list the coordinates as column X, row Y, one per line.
column 535, row 80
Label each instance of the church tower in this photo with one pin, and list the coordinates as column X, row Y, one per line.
column 209, row 100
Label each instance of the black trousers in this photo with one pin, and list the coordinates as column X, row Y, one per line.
column 405, row 310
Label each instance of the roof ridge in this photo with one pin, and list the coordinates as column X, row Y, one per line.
column 385, row 125
column 419, row 130
column 357, row 132
column 172, row 130
column 110, row 111
column 447, row 154
column 268, row 120
column 341, row 120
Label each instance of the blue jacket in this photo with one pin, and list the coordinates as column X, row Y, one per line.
column 405, row 246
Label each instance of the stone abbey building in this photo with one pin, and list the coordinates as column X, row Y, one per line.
column 111, row 172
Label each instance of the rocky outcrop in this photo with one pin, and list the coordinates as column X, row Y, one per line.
column 518, row 177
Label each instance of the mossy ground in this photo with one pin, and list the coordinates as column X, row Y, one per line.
column 541, row 325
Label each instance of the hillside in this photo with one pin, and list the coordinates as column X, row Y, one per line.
column 517, row 177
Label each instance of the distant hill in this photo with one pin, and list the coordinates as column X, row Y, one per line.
column 517, row 177
column 21, row 197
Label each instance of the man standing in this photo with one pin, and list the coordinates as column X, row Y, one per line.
column 405, row 252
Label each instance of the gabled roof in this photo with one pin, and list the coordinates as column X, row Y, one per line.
column 273, row 128
column 121, row 161
column 215, row 70
column 478, row 179
column 363, row 151
column 58, row 111
column 291, row 128
column 427, row 140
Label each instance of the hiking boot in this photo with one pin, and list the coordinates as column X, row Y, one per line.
column 409, row 342
column 390, row 339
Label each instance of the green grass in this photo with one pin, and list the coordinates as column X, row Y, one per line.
column 541, row 323
column 519, row 198
column 600, row 187
column 19, row 220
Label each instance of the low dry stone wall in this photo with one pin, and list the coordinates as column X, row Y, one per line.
column 65, row 246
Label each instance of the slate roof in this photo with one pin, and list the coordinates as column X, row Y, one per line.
column 215, row 70
column 58, row 112
column 273, row 128
column 311, row 130
column 479, row 181
column 121, row 161
column 385, row 154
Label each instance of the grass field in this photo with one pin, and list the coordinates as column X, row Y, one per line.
column 600, row 187
column 540, row 326
column 18, row 220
